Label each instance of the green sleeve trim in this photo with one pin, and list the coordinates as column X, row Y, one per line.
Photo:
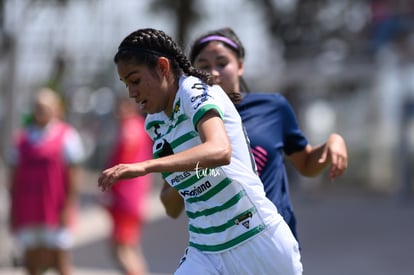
column 203, row 110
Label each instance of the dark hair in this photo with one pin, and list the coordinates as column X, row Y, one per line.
column 229, row 39
column 145, row 46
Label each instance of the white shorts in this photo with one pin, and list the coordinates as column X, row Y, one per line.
column 38, row 236
column 274, row 251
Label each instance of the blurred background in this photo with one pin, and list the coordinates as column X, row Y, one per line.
column 346, row 66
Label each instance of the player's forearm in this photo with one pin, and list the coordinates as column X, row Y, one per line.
column 202, row 156
column 313, row 166
column 307, row 161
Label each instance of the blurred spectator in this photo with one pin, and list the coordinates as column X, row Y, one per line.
column 394, row 88
column 44, row 169
column 389, row 19
column 127, row 202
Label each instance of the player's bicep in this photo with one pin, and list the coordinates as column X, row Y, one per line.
column 211, row 127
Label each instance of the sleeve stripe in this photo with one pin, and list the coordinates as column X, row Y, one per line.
column 203, row 110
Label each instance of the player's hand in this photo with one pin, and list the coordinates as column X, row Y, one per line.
column 111, row 175
column 335, row 150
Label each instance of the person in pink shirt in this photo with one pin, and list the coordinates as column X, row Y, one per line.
column 44, row 163
column 127, row 202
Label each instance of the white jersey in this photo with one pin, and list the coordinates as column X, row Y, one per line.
column 225, row 205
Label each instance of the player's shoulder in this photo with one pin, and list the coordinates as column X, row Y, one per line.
column 191, row 84
column 196, row 93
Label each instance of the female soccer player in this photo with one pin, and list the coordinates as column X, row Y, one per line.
column 201, row 150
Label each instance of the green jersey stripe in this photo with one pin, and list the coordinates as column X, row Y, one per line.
column 179, row 120
column 187, row 183
column 216, row 189
column 184, row 138
column 204, row 109
column 231, row 243
column 211, row 211
column 217, row 229
column 177, row 142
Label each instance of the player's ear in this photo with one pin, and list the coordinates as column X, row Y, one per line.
column 164, row 65
column 240, row 70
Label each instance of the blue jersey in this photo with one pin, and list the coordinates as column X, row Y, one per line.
column 273, row 131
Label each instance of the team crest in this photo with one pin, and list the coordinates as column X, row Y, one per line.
column 177, row 107
column 244, row 220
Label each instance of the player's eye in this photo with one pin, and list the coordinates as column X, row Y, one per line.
column 222, row 64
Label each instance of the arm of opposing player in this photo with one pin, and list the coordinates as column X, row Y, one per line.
column 313, row 160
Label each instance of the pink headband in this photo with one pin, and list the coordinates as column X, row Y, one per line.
column 218, row 38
